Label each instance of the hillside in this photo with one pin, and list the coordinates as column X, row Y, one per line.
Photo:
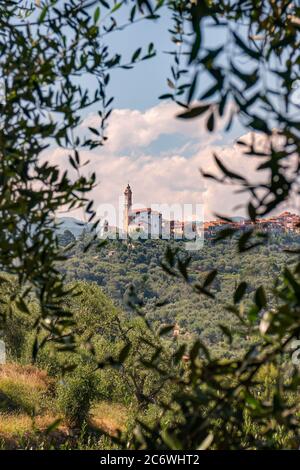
column 118, row 265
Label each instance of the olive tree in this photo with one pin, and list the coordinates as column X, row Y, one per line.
column 48, row 51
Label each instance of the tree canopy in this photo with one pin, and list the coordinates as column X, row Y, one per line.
column 47, row 48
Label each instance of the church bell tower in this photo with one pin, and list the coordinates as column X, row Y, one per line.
column 127, row 207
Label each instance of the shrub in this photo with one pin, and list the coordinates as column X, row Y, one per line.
column 75, row 394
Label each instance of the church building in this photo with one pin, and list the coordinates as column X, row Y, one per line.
column 145, row 221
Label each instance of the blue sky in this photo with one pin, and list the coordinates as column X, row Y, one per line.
column 140, row 87
column 158, row 154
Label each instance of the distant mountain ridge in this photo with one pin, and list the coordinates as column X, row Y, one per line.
column 72, row 224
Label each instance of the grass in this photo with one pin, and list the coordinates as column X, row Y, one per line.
column 14, row 424
column 27, row 410
column 29, row 375
column 110, row 417
column 22, row 388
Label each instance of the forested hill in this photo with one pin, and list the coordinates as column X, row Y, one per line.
column 118, row 265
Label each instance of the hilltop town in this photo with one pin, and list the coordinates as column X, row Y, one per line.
column 149, row 223
column 284, row 223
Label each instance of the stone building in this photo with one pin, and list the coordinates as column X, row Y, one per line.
column 145, row 221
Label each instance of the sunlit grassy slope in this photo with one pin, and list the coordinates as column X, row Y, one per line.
column 27, row 412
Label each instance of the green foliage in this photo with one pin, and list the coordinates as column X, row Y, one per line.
column 218, row 401
column 44, row 47
column 18, row 317
column 251, row 76
column 166, row 299
column 75, row 395
column 93, row 312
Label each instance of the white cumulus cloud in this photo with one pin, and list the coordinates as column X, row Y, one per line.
column 168, row 176
column 134, row 129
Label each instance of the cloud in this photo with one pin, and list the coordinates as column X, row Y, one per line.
column 164, row 177
column 170, row 179
column 133, row 129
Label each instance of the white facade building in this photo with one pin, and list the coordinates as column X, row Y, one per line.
column 144, row 222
